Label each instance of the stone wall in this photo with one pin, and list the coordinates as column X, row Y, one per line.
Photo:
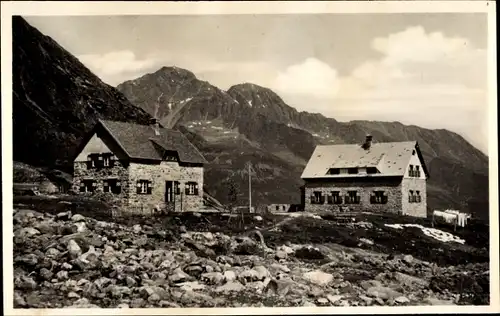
column 118, row 171
column 414, row 209
column 392, row 187
column 158, row 174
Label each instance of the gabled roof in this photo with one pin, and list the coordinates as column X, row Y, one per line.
column 390, row 159
column 137, row 141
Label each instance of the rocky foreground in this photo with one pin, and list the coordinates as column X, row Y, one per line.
column 67, row 260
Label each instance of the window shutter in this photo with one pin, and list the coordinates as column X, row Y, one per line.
column 196, row 189
column 138, row 191
column 186, row 190
column 177, row 188
column 312, row 199
column 150, row 187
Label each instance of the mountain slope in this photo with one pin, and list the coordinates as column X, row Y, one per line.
column 56, row 99
column 253, row 119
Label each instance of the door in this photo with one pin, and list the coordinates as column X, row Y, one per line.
column 169, row 196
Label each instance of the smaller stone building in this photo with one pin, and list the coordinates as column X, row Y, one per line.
column 141, row 167
column 373, row 177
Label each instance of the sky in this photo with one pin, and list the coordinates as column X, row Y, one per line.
column 419, row 69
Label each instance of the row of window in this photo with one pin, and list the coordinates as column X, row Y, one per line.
column 109, row 186
column 106, row 160
column 414, row 197
column 334, row 171
column 352, row 197
column 414, row 171
column 143, row 187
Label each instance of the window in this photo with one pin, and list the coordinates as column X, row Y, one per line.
column 92, row 161
column 418, row 198
column 107, row 160
column 371, row 170
column 352, row 197
column 417, row 172
column 335, row 198
column 177, row 188
column 191, row 188
column 352, row 170
column 112, row 186
column 88, row 186
column 333, row 171
column 413, row 152
column 144, row 187
column 277, row 207
column 378, row 197
column 284, row 207
column 317, row 198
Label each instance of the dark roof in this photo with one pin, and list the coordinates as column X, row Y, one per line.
column 138, row 142
column 390, row 159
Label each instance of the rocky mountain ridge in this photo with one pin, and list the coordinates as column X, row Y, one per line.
column 262, row 120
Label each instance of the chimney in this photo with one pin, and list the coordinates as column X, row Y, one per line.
column 368, row 142
column 156, row 126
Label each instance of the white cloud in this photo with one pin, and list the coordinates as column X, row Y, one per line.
column 117, row 66
column 426, row 79
column 311, row 77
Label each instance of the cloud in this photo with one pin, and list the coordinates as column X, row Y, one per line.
column 311, row 77
column 117, row 66
column 421, row 78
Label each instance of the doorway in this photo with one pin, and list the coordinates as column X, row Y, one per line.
column 170, row 196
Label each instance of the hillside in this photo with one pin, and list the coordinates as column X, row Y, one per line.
column 56, row 99
column 254, row 120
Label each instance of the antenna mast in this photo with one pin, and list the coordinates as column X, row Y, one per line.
column 249, row 189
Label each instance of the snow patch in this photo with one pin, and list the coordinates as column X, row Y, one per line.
column 250, row 103
column 431, row 232
column 217, row 127
column 316, row 135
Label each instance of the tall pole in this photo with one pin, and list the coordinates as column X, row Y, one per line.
column 249, row 190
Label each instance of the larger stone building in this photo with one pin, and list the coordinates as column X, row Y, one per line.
column 374, row 177
column 142, row 167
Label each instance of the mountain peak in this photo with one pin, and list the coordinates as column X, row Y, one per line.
column 171, row 71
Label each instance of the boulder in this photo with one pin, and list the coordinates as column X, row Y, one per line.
column 74, row 249
column 77, row 218
column 382, row 292
column 318, row 277
column 232, row 286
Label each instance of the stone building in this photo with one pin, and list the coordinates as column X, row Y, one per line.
column 141, row 167
column 372, row 177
